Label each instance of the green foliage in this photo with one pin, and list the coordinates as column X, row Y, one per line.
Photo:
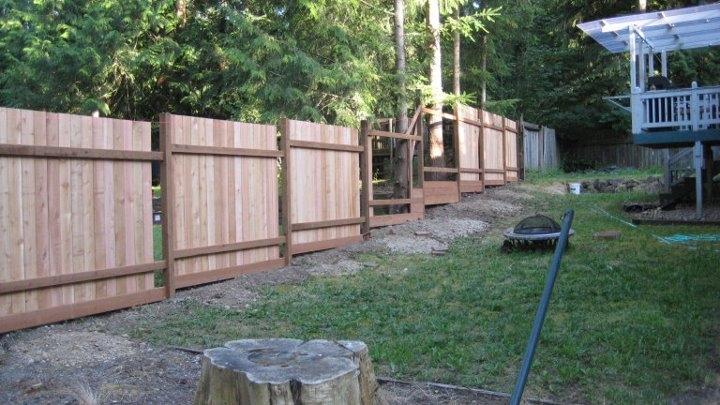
column 328, row 61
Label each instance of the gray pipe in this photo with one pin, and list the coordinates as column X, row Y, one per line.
column 542, row 308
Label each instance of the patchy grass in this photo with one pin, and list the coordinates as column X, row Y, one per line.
column 631, row 320
column 557, row 175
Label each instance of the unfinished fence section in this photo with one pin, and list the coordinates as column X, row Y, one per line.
column 440, row 185
column 222, row 194
column 321, row 202
column 484, row 149
column 413, row 203
column 75, row 217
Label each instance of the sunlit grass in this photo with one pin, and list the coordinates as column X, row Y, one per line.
column 631, row 320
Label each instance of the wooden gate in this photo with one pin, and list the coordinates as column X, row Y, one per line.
column 75, row 217
column 321, row 203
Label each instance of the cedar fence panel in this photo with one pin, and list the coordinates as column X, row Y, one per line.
column 322, row 196
column 223, row 198
column 75, row 217
column 469, row 135
column 493, row 149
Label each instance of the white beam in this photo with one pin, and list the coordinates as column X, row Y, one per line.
column 632, row 42
column 664, row 63
column 642, row 72
column 698, row 163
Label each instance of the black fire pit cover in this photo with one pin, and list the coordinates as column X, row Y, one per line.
column 536, row 225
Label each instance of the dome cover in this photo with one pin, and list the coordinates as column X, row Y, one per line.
column 536, row 225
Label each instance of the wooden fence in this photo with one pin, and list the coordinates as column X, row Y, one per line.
column 540, row 150
column 622, row 154
column 76, row 202
column 222, row 198
column 414, row 203
column 75, row 217
column 486, row 151
column 322, row 199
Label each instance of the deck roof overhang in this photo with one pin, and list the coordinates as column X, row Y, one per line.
column 661, row 31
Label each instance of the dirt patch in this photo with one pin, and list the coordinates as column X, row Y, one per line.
column 401, row 394
column 681, row 213
column 494, row 204
column 425, row 236
column 42, row 366
column 651, row 185
column 242, row 291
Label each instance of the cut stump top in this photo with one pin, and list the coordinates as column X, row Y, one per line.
column 277, row 361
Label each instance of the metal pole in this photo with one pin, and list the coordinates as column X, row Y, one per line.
column 698, row 163
column 542, row 309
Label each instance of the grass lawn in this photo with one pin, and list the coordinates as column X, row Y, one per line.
column 537, row 177
column 632, row 320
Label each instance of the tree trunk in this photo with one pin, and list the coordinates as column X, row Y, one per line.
column 456, row 57
column 642, row 6
column 437, row 150
column 287, row 371
column 400, row 189
column 483, row 69
column 181, row 10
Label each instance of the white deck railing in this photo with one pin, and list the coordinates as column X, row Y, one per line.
column 692, row 109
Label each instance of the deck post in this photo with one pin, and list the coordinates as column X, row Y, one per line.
column 651, row 63
column 698, row 157
column 635, row 101
column 642, row 70
column 664, row 63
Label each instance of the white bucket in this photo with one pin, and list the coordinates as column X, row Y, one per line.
column 575, row 188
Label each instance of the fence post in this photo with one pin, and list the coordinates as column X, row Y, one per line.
column 167, row 199
column 287, row 187
column 456, row 142
column 365, row 169
column 481, row 148
column 420, row 127
column 504, row 149
column 520, row 145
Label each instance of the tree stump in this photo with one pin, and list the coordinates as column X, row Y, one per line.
column 287, row 371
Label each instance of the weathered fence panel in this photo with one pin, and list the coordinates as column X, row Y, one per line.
column 224, row 198
column 622, row 154
column 540, row 147
column 322, row 197
column 75, row 217
column 550, row 153
column 511, row 151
